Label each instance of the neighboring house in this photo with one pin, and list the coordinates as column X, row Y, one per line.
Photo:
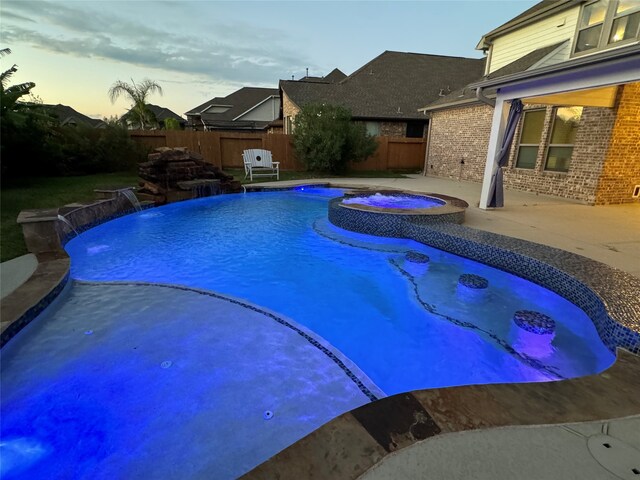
column 575, row 65
column 247, row 109
column 68, row 116
column 160, row 114
column 386, row 93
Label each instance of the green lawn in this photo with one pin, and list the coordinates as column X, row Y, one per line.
column 30, row 193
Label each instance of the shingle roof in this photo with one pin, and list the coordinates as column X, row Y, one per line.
column 467, row 95
column 240, row 101
column 161, row 113
column 391, row 86
column 66, row 114
column 335, row 76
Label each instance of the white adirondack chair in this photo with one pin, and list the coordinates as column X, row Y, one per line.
column 259, row 163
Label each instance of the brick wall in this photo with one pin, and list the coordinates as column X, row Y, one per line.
column 460, row 134
column 393, row 129
column 590, row 148
column 621, row 170
column 289, row 109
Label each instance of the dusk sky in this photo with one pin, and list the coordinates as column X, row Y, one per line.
column 197, row 50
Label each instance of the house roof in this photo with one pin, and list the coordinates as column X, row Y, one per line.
column 67, row 115
column 540, row 10
column 238, row 102
column 162, row 113
column 335, row 76
column 466, row 94
column 391, row 86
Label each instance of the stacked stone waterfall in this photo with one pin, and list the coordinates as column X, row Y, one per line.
column 174, row 174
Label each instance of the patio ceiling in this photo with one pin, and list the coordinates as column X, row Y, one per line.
column 593, row 97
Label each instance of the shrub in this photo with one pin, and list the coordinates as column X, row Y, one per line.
column 171, row 124
column 326, row 139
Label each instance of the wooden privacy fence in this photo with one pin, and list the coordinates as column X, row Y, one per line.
column 224, row 149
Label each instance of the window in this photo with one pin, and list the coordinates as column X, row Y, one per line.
column 415, row 129
column 373, row 128
column 605, row 23
column 530, row 138
column 626, row 21
column 288, row 125
column 563, row 135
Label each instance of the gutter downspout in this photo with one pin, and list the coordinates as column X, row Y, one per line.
column 426, row 153
column 480, row 96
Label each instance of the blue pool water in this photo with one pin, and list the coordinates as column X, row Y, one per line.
column 406, row 326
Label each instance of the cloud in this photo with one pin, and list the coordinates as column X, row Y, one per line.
column 15, row 16
column 238, row 53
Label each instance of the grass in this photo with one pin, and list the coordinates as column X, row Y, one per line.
column 52, row 192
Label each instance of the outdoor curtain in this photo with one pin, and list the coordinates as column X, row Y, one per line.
column 496, row 194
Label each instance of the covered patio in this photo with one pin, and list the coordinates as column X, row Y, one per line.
column 592, row 81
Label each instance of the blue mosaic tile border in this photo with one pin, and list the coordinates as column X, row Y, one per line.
column 33, row 312
column 334, row 358
column 611, row 298
column 384, row 224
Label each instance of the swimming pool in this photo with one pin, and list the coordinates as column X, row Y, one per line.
column 406, row 327
column 141, row 370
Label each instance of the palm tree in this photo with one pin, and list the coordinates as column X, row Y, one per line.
column 137, row 93
column 10, row 105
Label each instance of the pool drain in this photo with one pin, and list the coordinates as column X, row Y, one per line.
column 166, row 364
column 267, row 415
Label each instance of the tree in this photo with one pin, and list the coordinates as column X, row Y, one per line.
column 11, row 109
column 171, row 124
column 137, row 94
column 326, row 139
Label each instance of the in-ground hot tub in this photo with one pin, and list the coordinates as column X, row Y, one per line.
column 385, row 212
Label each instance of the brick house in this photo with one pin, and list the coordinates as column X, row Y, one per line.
column 575, row 65
column 248, row 109
column 385, row 93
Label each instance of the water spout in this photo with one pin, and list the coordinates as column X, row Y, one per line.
column 132, row 198
column 68, row 224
